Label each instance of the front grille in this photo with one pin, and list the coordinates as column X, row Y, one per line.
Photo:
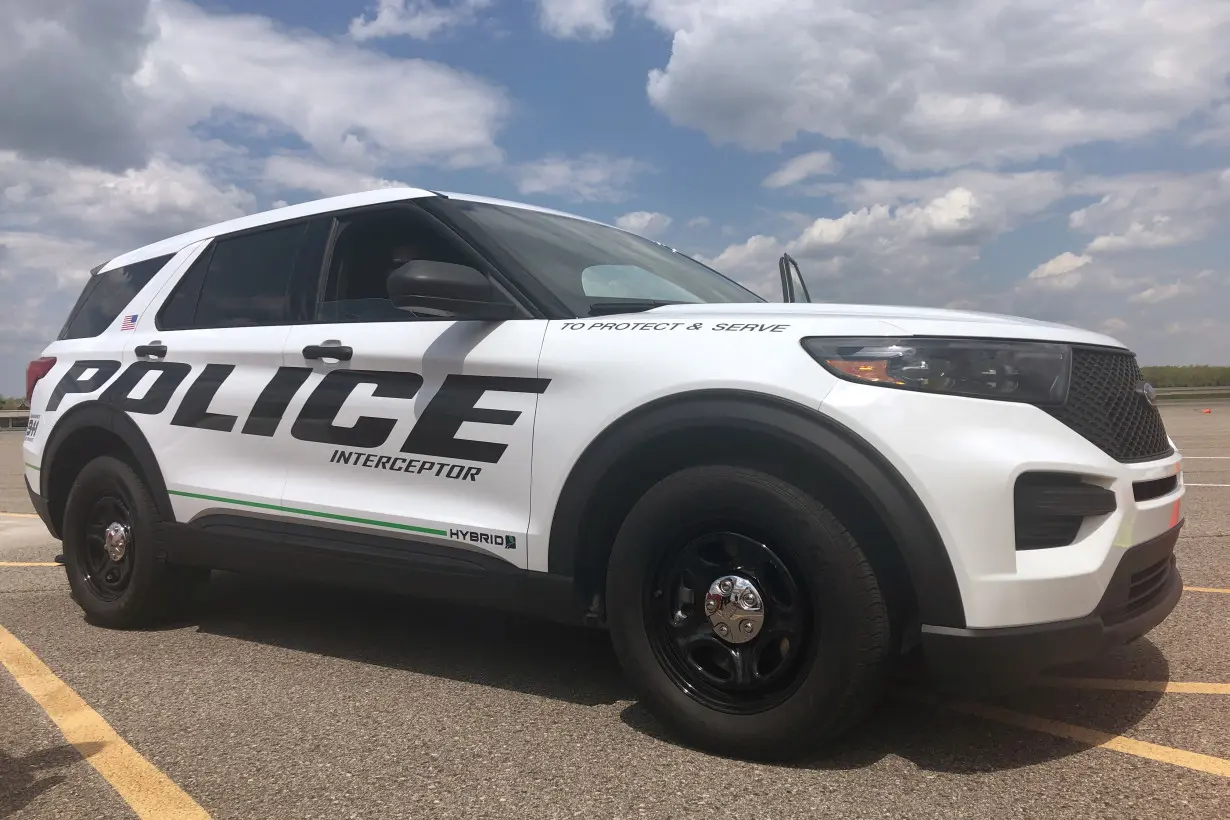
column 1104, row 406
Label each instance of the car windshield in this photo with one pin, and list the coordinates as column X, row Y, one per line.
column 595, row 268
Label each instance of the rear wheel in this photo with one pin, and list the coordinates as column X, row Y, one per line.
column 110, row 534
column 744, row 614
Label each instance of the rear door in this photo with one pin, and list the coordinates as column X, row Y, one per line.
column 204, row 381
column 410, row 426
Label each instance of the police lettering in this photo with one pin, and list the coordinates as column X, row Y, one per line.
column 434, row 434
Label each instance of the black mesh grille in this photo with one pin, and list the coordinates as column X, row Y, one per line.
column 1104, row 407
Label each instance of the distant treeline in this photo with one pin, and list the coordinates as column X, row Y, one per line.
column 1191, row 375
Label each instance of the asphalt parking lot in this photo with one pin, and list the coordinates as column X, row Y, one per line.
column 281, row 701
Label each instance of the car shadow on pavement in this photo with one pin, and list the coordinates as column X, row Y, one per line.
column 23, row 779
column 457, row 642
column 577, row 665
column 918, row 726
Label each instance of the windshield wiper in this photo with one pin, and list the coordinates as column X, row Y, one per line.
column 629, row 306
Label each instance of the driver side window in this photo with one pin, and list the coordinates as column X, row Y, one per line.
column 368, row 247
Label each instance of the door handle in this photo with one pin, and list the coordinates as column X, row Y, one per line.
column 156, row 350
column 339, row 352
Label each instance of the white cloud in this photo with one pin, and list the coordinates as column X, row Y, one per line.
column 804, row 166
column 581, row 19
column 938, row 86
column 67, row 91
column 1154, row 210
column 352, row 106
column 54, row 260
column 298, row 173
column 590, row 177
column 1061, row 270
column 754, row 263
column 699, row 222
column 419, row 19
column 1217, row 130
column 910, row 239
column 1161, row 293
column 120, row 211
column 645, row 223
column 953, row 218
column 1011, row 195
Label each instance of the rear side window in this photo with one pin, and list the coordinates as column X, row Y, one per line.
column 106, row 294
column 256, row 279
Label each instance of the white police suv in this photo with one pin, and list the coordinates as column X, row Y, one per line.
column 770, row 506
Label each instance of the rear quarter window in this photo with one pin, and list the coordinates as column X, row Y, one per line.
column 106, row 294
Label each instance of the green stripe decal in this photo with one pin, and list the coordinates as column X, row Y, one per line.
column 315, row 514
column 31, row 466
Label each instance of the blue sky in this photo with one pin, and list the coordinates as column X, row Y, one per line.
column 1070, row 163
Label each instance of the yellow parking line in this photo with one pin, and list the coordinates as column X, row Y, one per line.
column 1167, row 686
column 17, row 515
column 148, row 791
column 29, row 564
column 1092, row 737
column 1207, row 589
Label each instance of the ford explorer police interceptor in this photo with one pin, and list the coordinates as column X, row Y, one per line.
column 770, row 506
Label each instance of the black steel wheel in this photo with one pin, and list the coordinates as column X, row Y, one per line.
column 756, row 664
column 107, row 552
column 744, row 615
column 110, row 531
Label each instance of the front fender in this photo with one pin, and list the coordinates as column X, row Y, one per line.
column 801, row 428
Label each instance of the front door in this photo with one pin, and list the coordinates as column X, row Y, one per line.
column 409, row 426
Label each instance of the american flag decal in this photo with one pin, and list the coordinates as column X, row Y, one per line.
column 129, row 322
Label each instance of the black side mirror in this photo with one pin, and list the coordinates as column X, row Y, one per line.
column 448, row 290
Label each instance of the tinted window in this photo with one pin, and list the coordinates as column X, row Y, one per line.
column 177, row 311
column 256, row 279
column 106, row 294
column 248, row 279
column 587, row 264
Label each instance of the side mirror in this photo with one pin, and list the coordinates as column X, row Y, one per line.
column 448, row 290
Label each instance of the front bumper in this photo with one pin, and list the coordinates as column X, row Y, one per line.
column 964, row 457
column 1143, row 590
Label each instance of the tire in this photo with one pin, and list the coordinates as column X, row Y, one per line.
column 140, row 589
column 801, row 694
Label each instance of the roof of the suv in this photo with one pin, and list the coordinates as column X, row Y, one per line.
column 378, row 196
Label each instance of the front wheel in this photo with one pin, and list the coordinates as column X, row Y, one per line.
column 110, row 534
column 744, row 614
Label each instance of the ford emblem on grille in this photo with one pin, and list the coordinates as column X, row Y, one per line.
column 1148, row 391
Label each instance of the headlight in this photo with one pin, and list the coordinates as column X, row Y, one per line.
column 1034, row 372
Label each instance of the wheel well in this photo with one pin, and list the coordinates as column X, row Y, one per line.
column 643, row 465
column 77, row 450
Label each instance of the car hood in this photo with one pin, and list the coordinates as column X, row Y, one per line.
column 888, row 319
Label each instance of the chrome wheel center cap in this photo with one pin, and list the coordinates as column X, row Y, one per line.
column 116, row 541
column 735, row 609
